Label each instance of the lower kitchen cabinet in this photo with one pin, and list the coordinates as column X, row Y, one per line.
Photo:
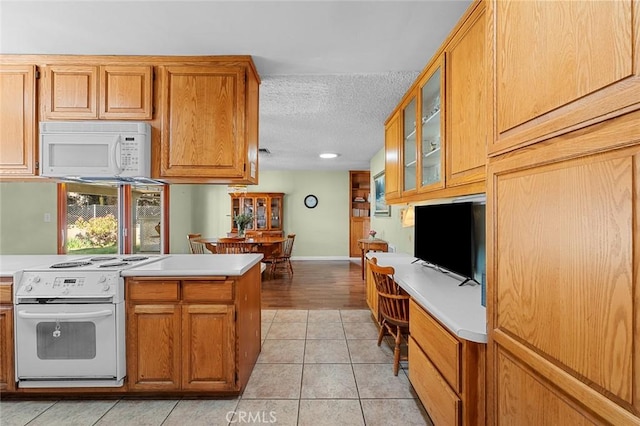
column 7, row 381
column 192, row 334
column 446, row 372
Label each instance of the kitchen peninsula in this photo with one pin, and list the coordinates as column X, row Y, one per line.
column 192, row 326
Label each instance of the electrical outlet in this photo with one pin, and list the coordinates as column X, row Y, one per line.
column 47, row 217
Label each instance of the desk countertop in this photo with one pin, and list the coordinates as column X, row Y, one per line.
column 458, row 308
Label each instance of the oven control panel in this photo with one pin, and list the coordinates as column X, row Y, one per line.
column 69, row 284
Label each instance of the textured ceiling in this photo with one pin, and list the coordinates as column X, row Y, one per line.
column 331, row 71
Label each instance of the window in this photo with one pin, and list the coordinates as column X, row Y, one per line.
column 111, row 218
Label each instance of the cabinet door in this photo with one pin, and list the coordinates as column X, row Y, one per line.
column 372, row 292
column 561, row 65
column 153, row 347
column 392, row 158
column 7, row 381
column 275, row 213
column 70, row 92
column 359, row 229
column 19, row 146
column 262, row 212
column 430, row 142
column 467, row 102
column 208, row 347
column 125, row 92
column 203, row 121
column 562, row 262
column 409, row 147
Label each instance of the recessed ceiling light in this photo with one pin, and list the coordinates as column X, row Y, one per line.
column 328, row 155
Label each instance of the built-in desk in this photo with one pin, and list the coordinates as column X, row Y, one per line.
column 447, row 326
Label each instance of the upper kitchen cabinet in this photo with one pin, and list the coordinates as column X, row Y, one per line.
column 561, row 65
column 392, row 143
column 467, row 102
column 435, row 139
column 209, row 123
column 126, row 92
column 78, row 92
column 18, row 143
column 422, row 141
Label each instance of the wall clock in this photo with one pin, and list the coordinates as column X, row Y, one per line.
column 310, row 201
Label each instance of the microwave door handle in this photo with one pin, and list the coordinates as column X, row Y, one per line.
column 64, row 315
column 117, row 153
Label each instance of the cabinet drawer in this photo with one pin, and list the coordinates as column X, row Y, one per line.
column 440, row 346
column 168, row 291
column 6, row 296
column 438, row 398
column 207, row 291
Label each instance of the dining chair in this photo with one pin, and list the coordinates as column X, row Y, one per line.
column 232, row 246
column 393, row 307
column 196, row 247
column 281, row 257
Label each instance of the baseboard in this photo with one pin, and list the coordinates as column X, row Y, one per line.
column 320, row 258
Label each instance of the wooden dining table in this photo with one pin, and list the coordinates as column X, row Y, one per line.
column 260, row 244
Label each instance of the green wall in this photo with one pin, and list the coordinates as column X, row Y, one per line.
column 390, row 228
column 322, row 232
column 23, row 229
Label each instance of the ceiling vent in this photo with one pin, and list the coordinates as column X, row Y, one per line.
column 264, row 151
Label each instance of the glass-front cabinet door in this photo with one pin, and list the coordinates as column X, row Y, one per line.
column 409, row 151
column 276, row 213
column 430, row 134
column 261, row 214
column 249, row 207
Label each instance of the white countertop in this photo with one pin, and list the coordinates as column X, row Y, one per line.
column 11, row 263
column 458, row 308
column 196, row 265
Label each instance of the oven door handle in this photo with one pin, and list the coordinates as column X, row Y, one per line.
column 65, row 315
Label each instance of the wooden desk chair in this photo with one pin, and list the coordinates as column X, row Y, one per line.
column 393, row 306
column 281, row 257
column 196, row 247
column 232, row 246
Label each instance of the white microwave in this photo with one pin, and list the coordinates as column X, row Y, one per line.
column 95, row 149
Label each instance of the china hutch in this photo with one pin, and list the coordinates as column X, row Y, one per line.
column 265, row 207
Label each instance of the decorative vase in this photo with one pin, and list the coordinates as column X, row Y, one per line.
column 373, row 237
column 240, row 231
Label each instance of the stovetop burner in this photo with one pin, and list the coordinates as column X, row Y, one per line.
column 102, row 258
column 134, row 258
column 64, row 265
column 113, row 264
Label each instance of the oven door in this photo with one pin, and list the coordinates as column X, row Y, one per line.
column 67, row 341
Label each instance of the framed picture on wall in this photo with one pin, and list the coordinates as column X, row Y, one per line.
column 380, row 207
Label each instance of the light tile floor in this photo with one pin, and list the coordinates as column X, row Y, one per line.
column 317, row 367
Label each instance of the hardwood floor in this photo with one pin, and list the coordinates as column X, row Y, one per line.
column 316, row 285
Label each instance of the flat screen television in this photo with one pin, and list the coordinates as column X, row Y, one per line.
column 444, row 236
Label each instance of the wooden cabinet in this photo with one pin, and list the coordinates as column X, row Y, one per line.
column 467, row 102
column 209, row 123
column 126, row 92
column 562, row 261
column 559, row 66
column 90, row 92
column 360, row 197
column 18, row 124
column 192, row 334
column 435, row 140
column 392, row 144
column 447, row 372
column 7, row 377
column 267, row 209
